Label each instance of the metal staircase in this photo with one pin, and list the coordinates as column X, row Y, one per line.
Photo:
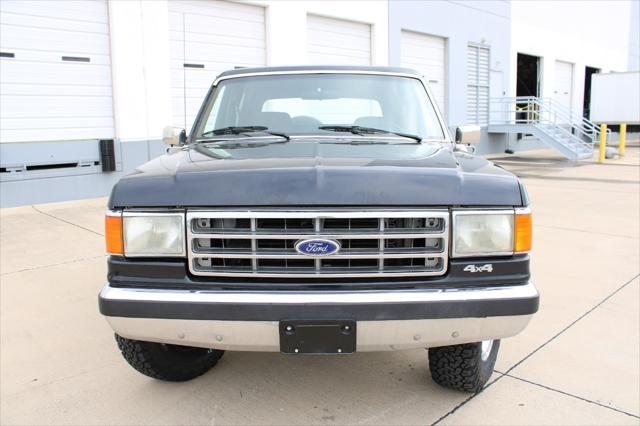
column 551, row 122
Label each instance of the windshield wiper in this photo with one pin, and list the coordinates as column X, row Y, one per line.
column 359, row 130
column 239, row 130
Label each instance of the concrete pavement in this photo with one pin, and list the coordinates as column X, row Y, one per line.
column 577, row 363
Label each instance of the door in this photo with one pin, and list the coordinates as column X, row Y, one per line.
column 477, row 84
column 207, row 38
column 338, row 42
column 427, row 54
column 56, row 71
column 563, row 87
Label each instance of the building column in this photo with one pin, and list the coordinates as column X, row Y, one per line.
column 139, row 31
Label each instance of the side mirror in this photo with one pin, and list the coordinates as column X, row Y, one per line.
column 174, row 136
column 468, row 135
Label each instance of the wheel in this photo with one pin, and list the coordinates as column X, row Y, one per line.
column 465, row 367
column 167, row 362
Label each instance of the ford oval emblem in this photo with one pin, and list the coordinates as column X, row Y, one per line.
column 317, row 247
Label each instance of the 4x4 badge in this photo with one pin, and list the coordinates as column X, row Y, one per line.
column 483, row 268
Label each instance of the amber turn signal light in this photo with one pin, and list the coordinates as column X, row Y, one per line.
column 113, row 234
column 523, row 235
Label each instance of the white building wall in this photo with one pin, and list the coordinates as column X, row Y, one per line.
column 140, row 66
column 597, row 33
column 593, row 33
column 634, row 37
column 461, row 24
column 140, row 52
column 140, row 60
column 287, row 27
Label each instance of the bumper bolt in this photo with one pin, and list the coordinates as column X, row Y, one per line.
column 417, row 337
column 455, row 334
column 180, row 335
column 219, row 338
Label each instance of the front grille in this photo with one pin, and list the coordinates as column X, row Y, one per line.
column 261, row 243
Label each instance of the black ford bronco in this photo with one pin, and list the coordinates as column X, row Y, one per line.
column 318, row 210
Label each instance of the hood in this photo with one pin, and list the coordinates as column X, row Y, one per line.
column 316, row 173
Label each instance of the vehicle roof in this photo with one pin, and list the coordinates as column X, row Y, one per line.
column 307, row 68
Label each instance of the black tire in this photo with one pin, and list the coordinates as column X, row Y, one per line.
column 172, row 363
column 463, row 367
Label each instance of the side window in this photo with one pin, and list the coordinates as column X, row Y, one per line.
column 328, row 111
column 215, row 109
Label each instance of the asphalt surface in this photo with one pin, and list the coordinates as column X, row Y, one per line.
column 576, row 363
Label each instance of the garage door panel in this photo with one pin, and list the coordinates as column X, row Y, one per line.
column 216, row 35
column 71, row 11
column 201, row 52
column 427, row 55
column 199, row 79
column 14, row 37
column 8, row 18
column 226, row 40
column 337, row 26
column 30, row 135
column 55, row 73
column 33, row 58
column 49, row 106
column 322, row 59
column 192, row 108
column 338, row 41
column 220, row 26
column 43, row 97
column 17, row 89
column 235, row 11
column 55, row 123
column 339, row 50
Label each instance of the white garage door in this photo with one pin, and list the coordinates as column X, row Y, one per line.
column 427, row 54
column 563, row 85
column 55, row 71
column 338, row 42
column 208, row 37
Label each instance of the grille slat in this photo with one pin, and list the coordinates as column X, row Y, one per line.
column 373, row 243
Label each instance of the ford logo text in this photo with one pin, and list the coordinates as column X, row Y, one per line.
column 317, row 247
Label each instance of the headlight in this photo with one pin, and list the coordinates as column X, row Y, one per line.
column 480, row 233
column 151, row 234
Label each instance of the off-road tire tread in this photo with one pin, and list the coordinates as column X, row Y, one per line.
column 460, row 367
column 144, row 358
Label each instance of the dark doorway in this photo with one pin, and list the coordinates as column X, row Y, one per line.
column 527, row 83
column 588, row 72
column 528, row 75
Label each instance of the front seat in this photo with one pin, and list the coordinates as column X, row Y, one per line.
column 280, row 121
column 371, row 121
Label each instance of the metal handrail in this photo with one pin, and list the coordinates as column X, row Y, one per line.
column 536, row 111
column 574, row 117
column 585, row 126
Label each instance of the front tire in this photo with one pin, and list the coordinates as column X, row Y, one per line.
column 466, row 367
column 172, row 363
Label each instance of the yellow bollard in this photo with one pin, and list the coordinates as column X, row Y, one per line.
column 623, row 138
column 603, row 142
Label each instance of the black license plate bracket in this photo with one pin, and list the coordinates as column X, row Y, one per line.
column 317, row 336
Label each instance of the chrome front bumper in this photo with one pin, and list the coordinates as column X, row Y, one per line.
column 386, row 320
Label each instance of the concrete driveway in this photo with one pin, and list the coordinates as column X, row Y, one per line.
column 577, row 363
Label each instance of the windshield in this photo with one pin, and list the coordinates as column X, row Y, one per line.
column 302, row 103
